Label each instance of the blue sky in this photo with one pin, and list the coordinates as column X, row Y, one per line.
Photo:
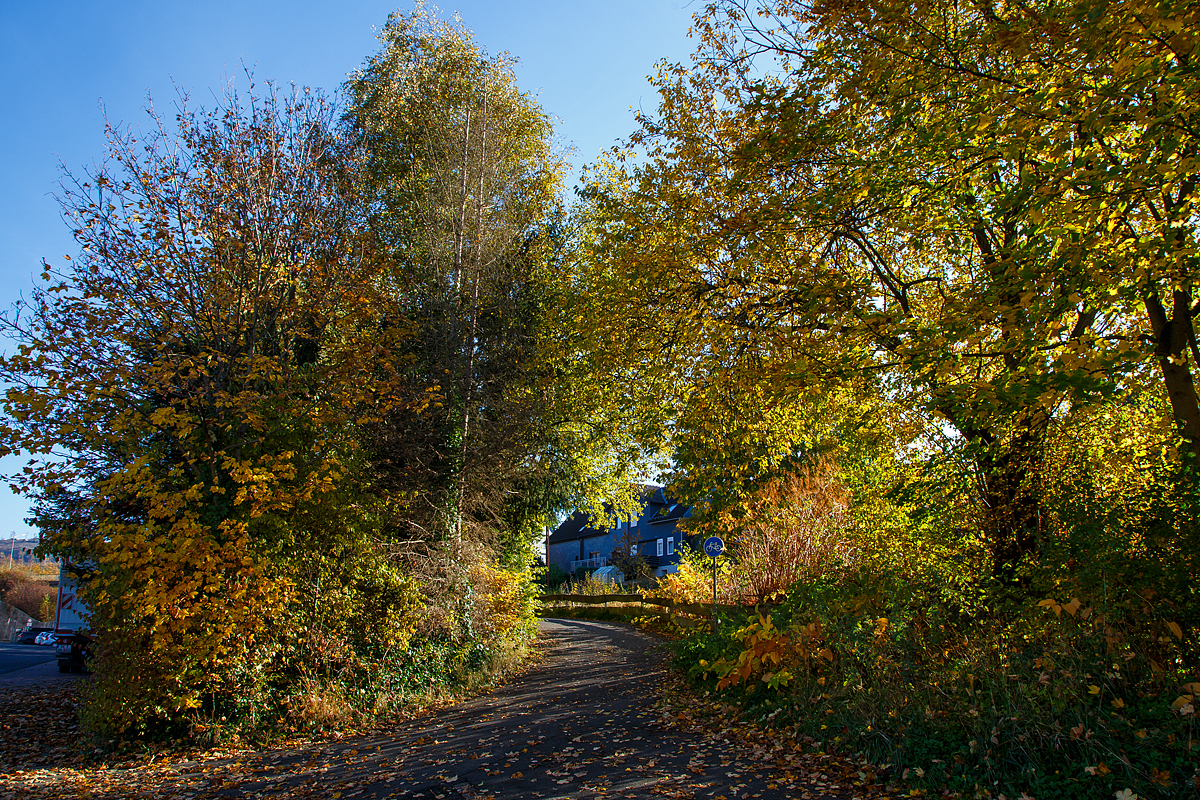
column 64, row 65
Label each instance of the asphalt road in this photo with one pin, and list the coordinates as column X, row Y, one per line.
column 29, row 665
column 581, row 724
column 14, row 657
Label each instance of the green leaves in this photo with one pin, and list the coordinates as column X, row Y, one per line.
column 930, row 206
column 462, row 187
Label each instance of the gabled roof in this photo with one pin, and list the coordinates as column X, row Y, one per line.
column 660, row 516
column 575, row 527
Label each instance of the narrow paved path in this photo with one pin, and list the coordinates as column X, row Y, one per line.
column 581, row 724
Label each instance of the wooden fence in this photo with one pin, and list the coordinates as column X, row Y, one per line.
column 633, row 605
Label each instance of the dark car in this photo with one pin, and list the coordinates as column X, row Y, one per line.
column 28, row 635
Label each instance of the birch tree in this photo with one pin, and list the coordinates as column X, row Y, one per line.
column 465, row 184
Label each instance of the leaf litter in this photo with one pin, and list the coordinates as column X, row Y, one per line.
column 598, row 716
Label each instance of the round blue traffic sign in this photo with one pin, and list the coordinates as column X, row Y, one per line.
column 713, row 546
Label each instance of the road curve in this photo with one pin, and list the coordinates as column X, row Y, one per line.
column 581, row 723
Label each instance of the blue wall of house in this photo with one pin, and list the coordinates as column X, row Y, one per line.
column 652, row 527
column 563, row 553
column 597, row 544
column 648, row 546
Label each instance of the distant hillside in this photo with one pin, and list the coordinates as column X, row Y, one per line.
column 20, row 553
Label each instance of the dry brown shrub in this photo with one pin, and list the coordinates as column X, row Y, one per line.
column 8, row 579
column 29, row 596
column 323, row 706
column 793, row 527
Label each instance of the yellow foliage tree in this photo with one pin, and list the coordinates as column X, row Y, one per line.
column 188, row 387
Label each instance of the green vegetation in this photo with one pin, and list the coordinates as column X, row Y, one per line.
column 920, row 282
column 285, row 405
column 899, row 297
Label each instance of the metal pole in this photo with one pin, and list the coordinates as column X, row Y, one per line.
column 714, row 612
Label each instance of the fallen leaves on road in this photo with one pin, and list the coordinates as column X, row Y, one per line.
column 39, row 728
column 581, row 724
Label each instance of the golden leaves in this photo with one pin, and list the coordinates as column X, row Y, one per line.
column 1071, row 607
column 194, row 373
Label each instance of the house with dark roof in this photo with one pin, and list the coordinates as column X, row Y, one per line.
column 577, row 546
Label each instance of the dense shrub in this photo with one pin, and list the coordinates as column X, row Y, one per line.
column 553, row 577
column 1062, row 696
column 791, row 527
column 30, row 597
column 333, row 673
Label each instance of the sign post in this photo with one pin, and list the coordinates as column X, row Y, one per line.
column 713, row 547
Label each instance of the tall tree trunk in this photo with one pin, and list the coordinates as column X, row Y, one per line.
column 1007, row 490
column 1174, row 339
column 460, row 232
column 1011, row 498
column 473, row 319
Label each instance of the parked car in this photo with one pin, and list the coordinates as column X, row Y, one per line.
column 29, row 635
column 45, row 638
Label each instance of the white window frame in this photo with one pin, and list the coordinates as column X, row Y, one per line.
column 670, row 545
column 660, row 547
column 633, row 521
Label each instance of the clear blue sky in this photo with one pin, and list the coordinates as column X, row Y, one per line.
column 61, row 61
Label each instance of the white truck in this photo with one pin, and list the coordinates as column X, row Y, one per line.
column 72, row 640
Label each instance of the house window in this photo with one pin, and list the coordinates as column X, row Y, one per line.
column 671, row 547
column 633, row 521
column 593, row 555
column 660, row 547
column 633, row 550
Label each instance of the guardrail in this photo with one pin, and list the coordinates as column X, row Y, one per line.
column 589, row 563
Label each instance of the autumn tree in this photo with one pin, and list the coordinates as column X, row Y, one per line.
column 827, row 198
column 1091, row 105
column 1051, row 148
column 463, row 184
column 188, row 386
